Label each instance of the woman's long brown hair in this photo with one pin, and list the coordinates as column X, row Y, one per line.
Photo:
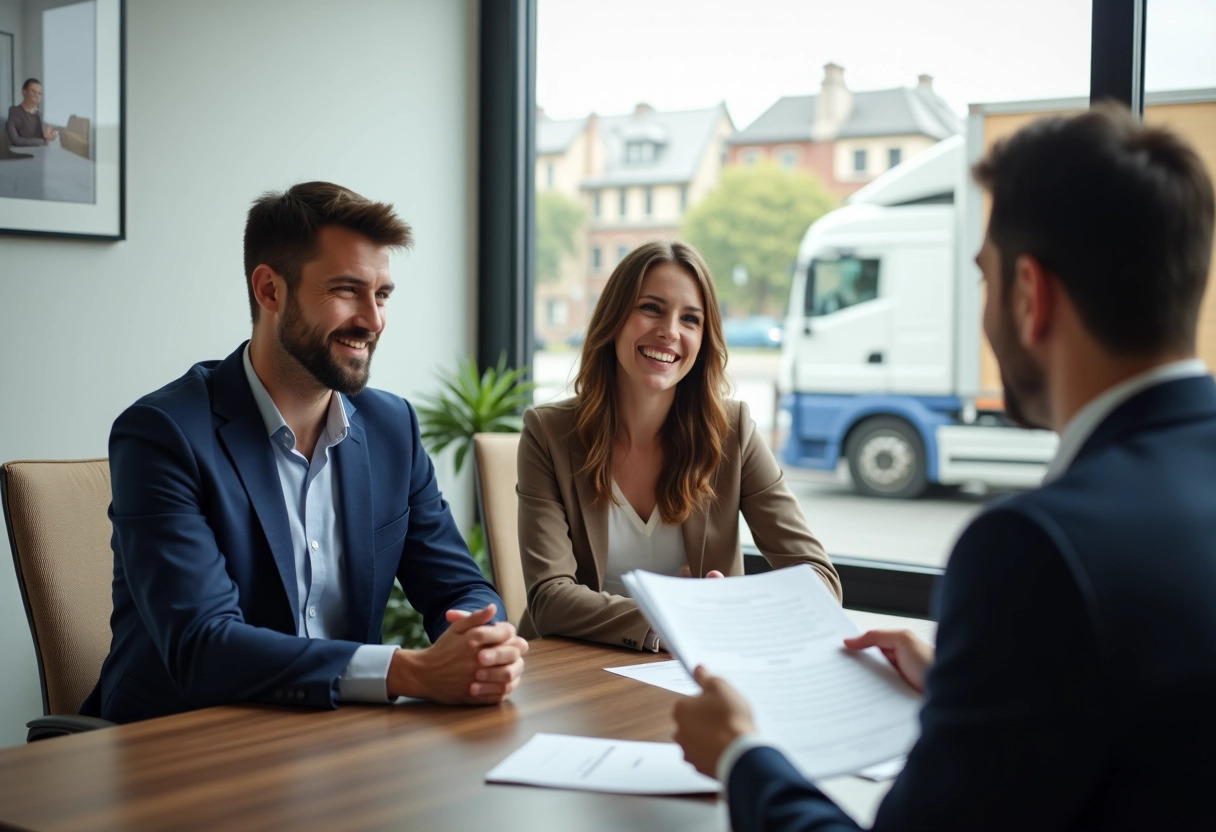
column 695, row 431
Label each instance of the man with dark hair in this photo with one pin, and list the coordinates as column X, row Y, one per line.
column 25, row 127
column 1075, row 667
column 263, row 504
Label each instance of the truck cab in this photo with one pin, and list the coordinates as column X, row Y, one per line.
column 875, row 339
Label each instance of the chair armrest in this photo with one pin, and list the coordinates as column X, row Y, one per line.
column 58, row 725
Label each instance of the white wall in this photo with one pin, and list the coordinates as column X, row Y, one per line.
column 226, row 99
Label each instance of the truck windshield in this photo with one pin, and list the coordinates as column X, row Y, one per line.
column 833, row 285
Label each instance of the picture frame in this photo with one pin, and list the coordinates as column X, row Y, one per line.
column 70, row 181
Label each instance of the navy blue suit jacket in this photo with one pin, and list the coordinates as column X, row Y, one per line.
column 1075, row 680
column 205, row 601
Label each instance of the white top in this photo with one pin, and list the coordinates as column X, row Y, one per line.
column 1087, row 419
column 653, row 545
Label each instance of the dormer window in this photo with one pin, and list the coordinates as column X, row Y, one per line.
column 643, row 143
column 641, row 151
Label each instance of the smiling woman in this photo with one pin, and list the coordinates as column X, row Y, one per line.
column 649, row 465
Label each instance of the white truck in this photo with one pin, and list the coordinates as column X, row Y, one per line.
column 883, row 363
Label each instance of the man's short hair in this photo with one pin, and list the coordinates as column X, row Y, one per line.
column 283, row 229
column 1120, row 212
column 29, row 81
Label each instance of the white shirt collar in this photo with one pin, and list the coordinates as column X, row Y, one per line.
column 336, row 423
column 1087, row 419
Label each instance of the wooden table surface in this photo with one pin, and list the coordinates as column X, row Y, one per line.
column 409, row 766
column 412, row 765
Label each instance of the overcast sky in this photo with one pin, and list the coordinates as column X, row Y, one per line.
column 607, row 55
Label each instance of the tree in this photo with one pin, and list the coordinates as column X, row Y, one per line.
column 751, row 225
column 558, row 220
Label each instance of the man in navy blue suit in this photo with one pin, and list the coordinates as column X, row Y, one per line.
column 263, row 504
column 1075, row 670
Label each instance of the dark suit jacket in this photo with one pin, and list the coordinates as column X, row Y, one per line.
column 205, row 601
column 1075, row 680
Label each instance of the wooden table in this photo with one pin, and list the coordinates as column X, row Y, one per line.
column 411, row 766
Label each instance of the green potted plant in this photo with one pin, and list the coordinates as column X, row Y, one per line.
column 468, row 402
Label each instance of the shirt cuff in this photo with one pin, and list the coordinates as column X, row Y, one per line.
column 365, row 678
column 652, row 642
column 734, row 751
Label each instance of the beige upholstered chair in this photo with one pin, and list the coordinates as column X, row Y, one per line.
column 75, row 136
column 59, row 531
column 496, row 475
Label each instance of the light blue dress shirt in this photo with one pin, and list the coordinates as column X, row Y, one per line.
column 312, row 495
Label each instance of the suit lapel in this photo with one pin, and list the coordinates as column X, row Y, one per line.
column 243, row 435
column 694, row 531
column 595, row 518
column 354, row 473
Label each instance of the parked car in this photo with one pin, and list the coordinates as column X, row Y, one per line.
column 756, row 331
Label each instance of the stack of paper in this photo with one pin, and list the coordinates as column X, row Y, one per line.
column 776, row 637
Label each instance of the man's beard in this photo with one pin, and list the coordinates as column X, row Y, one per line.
column 311, row 348
column 1022, row 378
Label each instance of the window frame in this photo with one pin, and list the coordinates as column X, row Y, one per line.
column 506, row 233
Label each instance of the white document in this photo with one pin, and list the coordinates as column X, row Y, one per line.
column 777, row 638
column 669, row 675
column 597, row 765
column 884, row 771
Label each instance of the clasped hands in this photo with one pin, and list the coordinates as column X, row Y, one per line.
column 706, row 724
column 474, row 662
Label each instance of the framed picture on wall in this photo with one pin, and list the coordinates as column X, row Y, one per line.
column 62, row 146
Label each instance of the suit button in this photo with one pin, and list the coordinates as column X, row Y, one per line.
column 278, row 694
column 300, row 695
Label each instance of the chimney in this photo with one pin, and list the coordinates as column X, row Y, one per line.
column 833, row 105
column 924, row 82
column 593, row 156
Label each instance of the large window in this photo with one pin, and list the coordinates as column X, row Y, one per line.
column 608, row 78
column 825, row 88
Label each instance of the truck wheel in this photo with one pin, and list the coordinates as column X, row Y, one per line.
column 887, row 459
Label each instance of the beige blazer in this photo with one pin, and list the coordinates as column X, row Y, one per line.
column 563, row 537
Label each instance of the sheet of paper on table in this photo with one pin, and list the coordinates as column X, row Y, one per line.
column 777, row 637
column 669, row 675
column 591, row 764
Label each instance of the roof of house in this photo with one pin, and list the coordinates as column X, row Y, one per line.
column 680, row 139
column 893, row 112
column 556, row 135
